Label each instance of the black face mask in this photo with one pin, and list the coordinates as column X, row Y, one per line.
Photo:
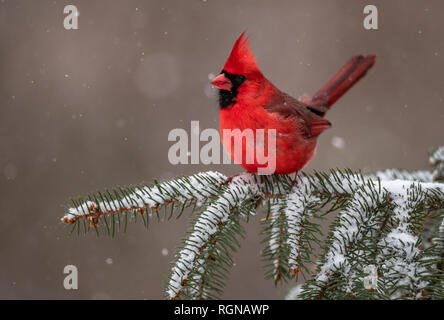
column 226, row 98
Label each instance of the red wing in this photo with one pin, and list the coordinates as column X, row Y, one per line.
column 289, row 107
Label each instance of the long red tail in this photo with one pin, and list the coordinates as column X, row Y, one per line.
column 343, row 80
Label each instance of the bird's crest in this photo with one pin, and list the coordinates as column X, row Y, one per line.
column 241, row 59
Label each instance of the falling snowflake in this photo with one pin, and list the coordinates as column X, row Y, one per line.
column 338, row 142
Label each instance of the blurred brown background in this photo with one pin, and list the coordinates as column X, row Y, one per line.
column 87, row 109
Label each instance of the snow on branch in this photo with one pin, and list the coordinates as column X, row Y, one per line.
column 394, row 174
column 143, row 200
column 436, row 160
column 373, row 208
column 402, row 262
column 289, row 231
column 203, row 261
column 366, row 213
column 278, row 250
column 379, row 223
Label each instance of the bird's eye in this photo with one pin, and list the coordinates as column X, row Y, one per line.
column 239, row 79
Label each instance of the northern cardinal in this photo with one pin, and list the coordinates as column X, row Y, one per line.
column 248, row 100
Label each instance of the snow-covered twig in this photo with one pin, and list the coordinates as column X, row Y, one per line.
column 180, row 192
column 380, row 221
column 363, row 218
column 289, row 231
column 206, row 245
column 395, row 174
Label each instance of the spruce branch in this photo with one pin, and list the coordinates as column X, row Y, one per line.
column 290, row 233
column 277, row 250
column 404, row 266
column 109, row 208
column 392, row 220
column 350, row 245
column 205, row 257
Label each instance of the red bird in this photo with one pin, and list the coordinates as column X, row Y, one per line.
column 248, row 100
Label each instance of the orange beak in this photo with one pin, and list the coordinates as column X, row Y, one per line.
column 222, row 82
